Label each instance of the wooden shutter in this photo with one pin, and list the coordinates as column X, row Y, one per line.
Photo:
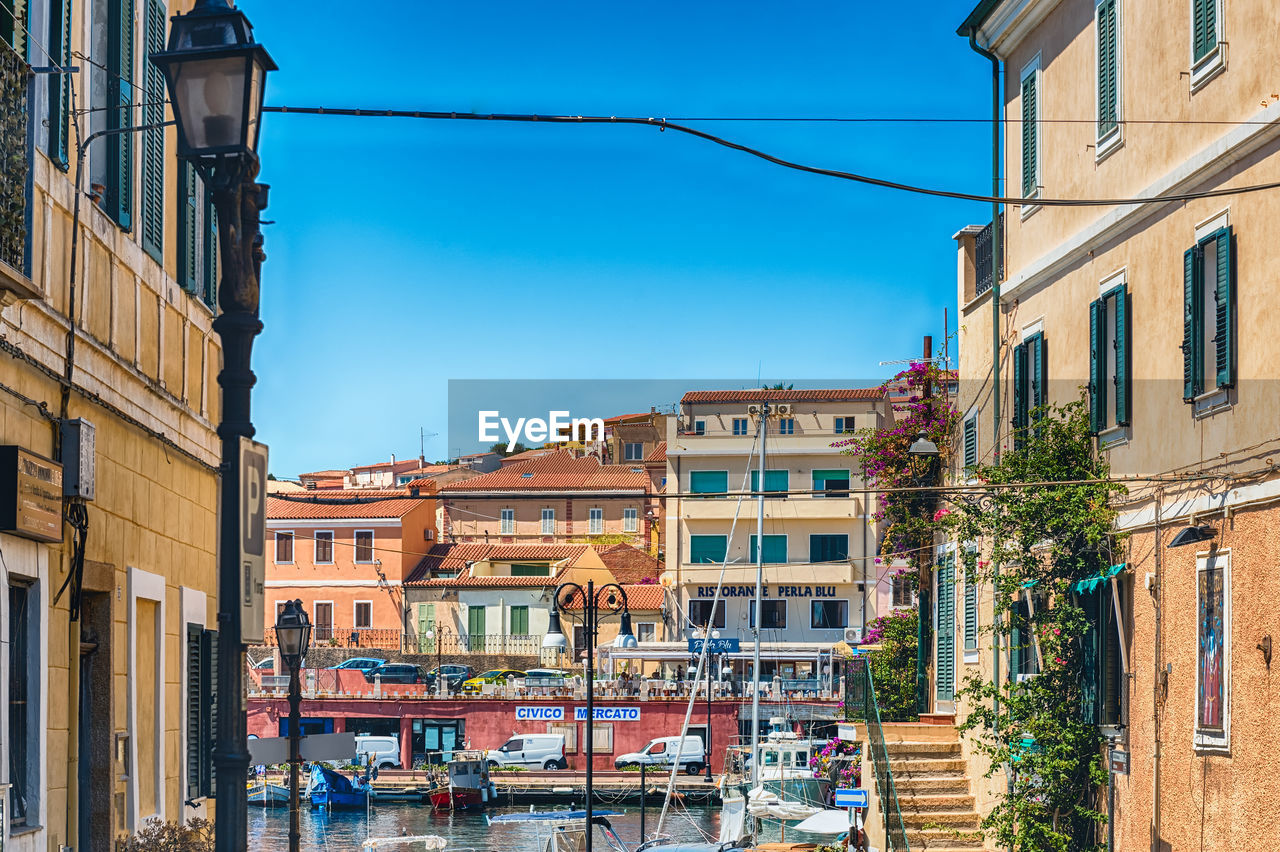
column 209, row 691
column 1204, row 27
column 120, row 73
column 971, row 442
column 152, row 207
column 1108, row 83
column 209, row 282
column 195, row 708
column 59, row 84
column 1091, row 646
column 189, row 203
column 1097, row 365
column 1192, row 345
column 1038, row 392
column 1030, row 134
column 1121, row 307
column 946, row 640
column 1019, row 393
column 1224, row 298
column 970, row 612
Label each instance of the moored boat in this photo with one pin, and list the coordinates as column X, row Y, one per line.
column 465, row 785
column 268, row 795
column 335, row 791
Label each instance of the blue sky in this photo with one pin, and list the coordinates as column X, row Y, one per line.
column 407, row 252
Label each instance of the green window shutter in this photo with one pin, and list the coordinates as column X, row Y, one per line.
column 775, row 549
column 774, row 480
column 189, row 201
column 1224, row 297
column 1204, row 27
column 1121, row 307
column 152, row 208
column 708, row 481
column 1036, row 372
column 971, row 442
column 519, row 621
column 59, row 84
column 194, row 707
column 707, row 548
column 209, row 282
column 209, row 694
column 422, row 619
column 946, row 638
column 1192, row 347
column 118, row 200
column 970, row 613
column 1019, row 393
column 1097, row 365
column 475, row 622
column 1030, row 134
column 1091, row 651
column 1108, row 83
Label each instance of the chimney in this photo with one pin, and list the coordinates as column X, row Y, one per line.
column 393, row 459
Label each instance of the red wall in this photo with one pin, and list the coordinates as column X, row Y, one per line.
column 491, row 721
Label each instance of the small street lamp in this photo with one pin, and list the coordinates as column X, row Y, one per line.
column 293, row 635
column 593, row 600
column 216, row 76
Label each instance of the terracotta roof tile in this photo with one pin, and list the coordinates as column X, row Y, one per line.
column 557, row 471
column 800, row 395
column 339, row 505
column 630, row 564
column 659, row 453
column 647, row 596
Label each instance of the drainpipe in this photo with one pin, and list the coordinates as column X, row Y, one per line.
column 996, row 260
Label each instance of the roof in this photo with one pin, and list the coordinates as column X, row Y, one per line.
column 525, row 455
column 455, row 557
column 556, row 471
column 647, row 596
column 478, row 455
column 659, row 453
column 801, row 395
column 977, row 17
column 339, row 505
column 618, row 418
column 323, row 474
column 396, row 467
column 630, row 564
column 422, row 482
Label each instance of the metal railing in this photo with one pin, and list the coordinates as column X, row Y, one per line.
column 983, row 255
column 860, row 703
column 15, row 159
column 447, row 642
column 326, row 635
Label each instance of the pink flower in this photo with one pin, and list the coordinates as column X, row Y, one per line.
column 940, row 514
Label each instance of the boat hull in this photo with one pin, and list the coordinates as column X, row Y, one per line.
column 457, row 799
column 339, row 801
column 268, row 795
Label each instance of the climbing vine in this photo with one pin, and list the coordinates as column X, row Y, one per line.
column 1038, row 542
column 893, row 663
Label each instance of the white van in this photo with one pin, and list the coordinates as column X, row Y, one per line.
column 381, row 751
column 664, row 751
column 536, row 751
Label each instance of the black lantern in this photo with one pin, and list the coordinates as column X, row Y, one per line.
column 625, row 638
column 293, row 633
column 216, row 74
column 555, row 640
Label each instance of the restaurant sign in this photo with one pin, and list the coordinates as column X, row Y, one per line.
column 30, row 495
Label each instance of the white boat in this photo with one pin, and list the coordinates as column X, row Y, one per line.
column 268, row 795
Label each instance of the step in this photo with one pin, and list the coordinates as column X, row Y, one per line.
column 935, row 839
column 942, row 785
column 962, row 820
column 919, row 768
column 935, row 802
column 903, row 749
column 896, row 732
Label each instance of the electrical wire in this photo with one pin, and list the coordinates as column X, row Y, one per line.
column 664, row 124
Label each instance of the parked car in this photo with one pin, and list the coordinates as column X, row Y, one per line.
column 472, row 685
column 664, row 751
column 380, row 751
column 396, row 673
column 453, row 676
column 545, row 751
column 362, row 663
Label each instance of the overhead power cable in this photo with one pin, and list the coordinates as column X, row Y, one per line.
column 663, row 124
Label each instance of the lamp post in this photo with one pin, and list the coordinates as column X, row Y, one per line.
column 216, row 75
column 592, row 600
column 293, row 635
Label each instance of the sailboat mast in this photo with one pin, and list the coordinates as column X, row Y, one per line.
column 755, row 654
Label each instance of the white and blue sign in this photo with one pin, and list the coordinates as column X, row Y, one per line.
column 608, row 714
column 718, row 646
column 849, row 797
column 535, row 713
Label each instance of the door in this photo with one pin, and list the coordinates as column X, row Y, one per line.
column 946, row 635
column 475, row 628
column 323, row 626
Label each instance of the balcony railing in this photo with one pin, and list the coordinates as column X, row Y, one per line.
column 983, row 256
column 15, row 160
column 443, row 642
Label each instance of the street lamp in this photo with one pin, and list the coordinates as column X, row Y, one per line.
column 216, row 75
column 593, row 599
column 293, row 635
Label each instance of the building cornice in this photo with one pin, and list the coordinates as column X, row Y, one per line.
column 1002, row 26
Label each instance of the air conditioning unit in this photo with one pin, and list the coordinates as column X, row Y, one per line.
column 753, row 409
column 853, row 635
column 782, row 409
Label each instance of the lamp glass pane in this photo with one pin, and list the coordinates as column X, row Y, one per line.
column 257, row 74
column 209, row 100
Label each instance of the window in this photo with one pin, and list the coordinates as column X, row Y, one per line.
column 774, row 480
column 1101, row 679
column 1204, row 28
column 904, row 587
column 1213, row 656
column 1031, row 130
column 568, row 730
column 832, row 483
column 362, row 618
column 1109, row 360
column 1208, row 321
column 739, row 425
column 154, row 94
column 284, row 548
column 970, row 442
column 111, row 97
column 787, row 426
column 201, row 709
column 197, row 237
column 633, row 451
column 322, row 620
column 699, row 427
column 708, row 548
column 24, row 706
column 530, row 570
column 700, row 611
column 59, row 91
column 828, row 547
column 519, row 621
column 324, row 547
column 709, row 481
column 775, row 548
column 646, row 631
column 602, row 738
column 945, row 611
column 970, row 611
column 775, row 615
column 1029, row 384
column 475, row 627
column 548, row 521
column 1022, row 644
column 364, row 545
column 630, row 520
column 507, row 524
column 1107, row 28
column 845, row 424
column 829, row 615
column 595, row 521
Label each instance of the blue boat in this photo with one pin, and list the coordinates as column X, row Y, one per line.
column 334, row 790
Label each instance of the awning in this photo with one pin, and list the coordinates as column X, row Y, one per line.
column 1091, row 584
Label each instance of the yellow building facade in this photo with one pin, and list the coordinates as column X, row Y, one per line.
column 108, row 320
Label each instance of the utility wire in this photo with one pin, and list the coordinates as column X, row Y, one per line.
column 663, row 124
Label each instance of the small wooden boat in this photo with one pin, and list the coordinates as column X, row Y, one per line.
column 335, row 791
column 268, row 795
column 465, row 784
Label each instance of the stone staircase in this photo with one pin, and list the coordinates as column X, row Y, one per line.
column 933, row 790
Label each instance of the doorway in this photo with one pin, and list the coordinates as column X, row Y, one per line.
column 94, row 769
